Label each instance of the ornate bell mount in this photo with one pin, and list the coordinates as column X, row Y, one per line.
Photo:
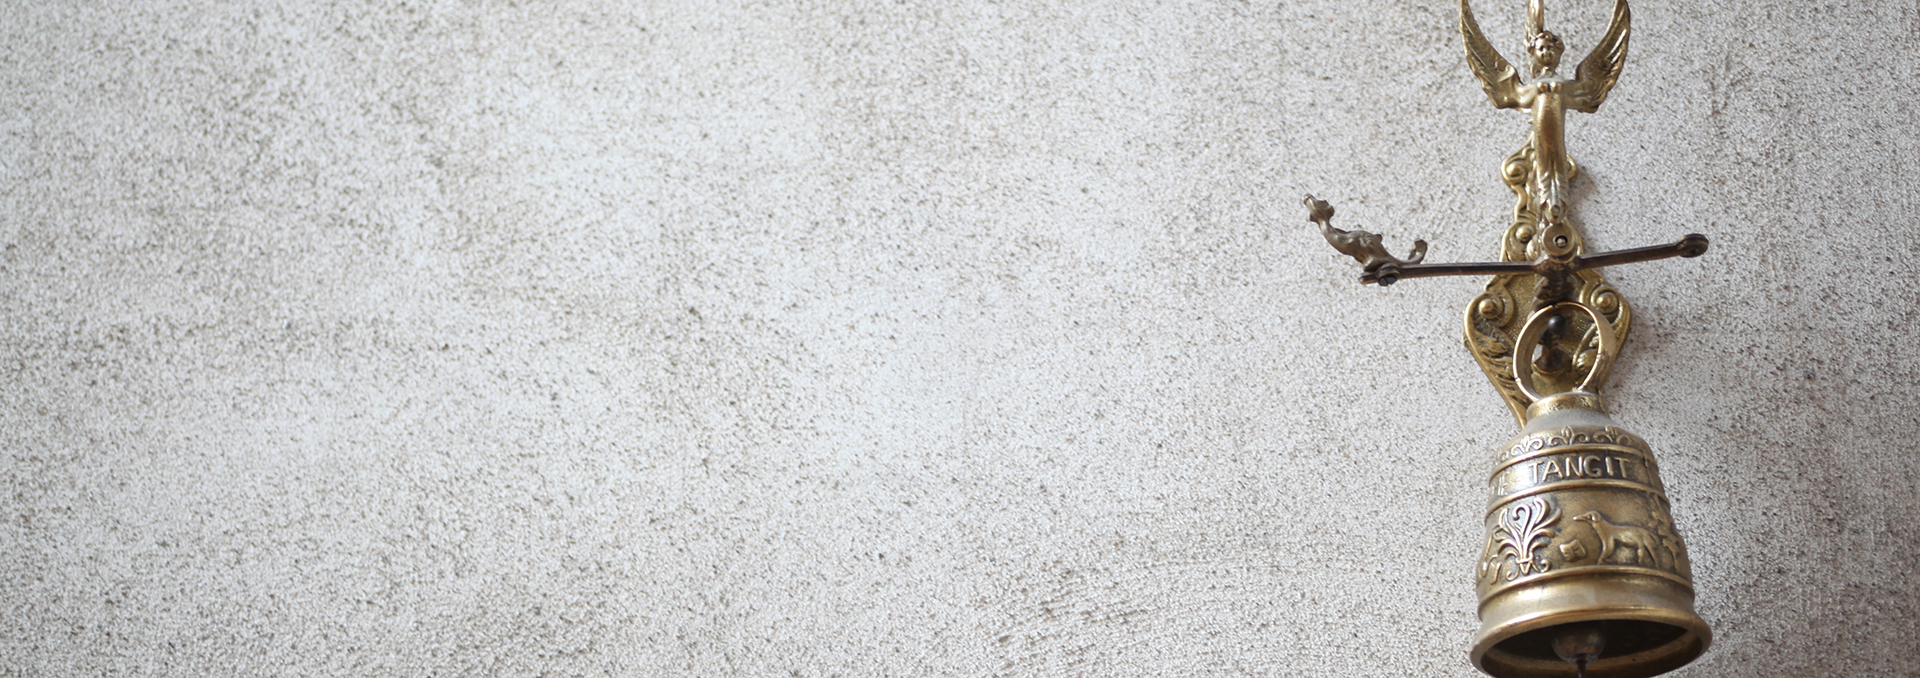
column 1582, row 572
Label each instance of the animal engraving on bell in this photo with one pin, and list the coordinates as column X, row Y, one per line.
column 1581, row 568
column 1625, row 544
column 1579, row 532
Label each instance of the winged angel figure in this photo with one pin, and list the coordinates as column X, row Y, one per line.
column 1547, row 94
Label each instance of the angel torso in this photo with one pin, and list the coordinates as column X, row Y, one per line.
column 1552, row 168
column 1548, row 96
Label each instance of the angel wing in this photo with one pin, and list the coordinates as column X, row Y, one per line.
column 1496, row 76
column 1601, row 69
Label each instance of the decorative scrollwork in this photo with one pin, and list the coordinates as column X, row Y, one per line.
column 1567, row 435
column 1493, row 320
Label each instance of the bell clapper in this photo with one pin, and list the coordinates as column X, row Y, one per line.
column 1579, row 644
column 1582, row 566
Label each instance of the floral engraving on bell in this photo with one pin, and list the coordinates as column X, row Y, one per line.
column 1524, row 527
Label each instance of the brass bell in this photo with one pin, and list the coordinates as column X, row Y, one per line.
column 1583, row 572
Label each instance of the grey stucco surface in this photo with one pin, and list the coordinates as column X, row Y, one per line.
column 904, row 338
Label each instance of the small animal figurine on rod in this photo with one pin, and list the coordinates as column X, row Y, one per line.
column 1582, row 568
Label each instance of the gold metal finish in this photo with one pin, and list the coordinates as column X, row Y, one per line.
column 1606, row 346
column 1547, row 96
column 1540, row 174
column 1582, row 572
column 1543, row 258
column 1580, row 535
column 1364, row 247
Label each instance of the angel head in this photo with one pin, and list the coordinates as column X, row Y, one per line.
column 1545, row 47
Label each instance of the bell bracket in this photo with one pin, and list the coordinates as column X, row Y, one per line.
column 1543, row 259
column 1582, row 566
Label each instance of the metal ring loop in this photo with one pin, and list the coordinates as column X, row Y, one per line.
column 1530, row 339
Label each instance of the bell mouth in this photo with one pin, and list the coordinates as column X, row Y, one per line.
column 1648, row 625
column 1633, row 648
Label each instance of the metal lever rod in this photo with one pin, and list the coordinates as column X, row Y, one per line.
column 1389, row 272
column 1692, row 245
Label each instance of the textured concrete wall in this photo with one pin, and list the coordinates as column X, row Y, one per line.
column 904, row 338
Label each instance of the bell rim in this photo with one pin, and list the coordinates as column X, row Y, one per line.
column 1696, row 638
column 1692, row 644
